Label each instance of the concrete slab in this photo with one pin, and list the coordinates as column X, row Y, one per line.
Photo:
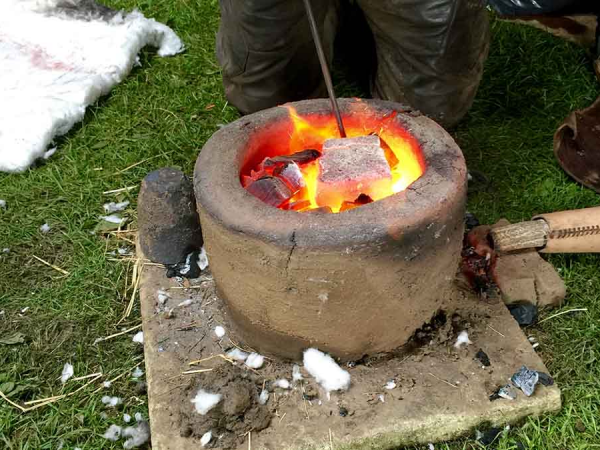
column 442, row 393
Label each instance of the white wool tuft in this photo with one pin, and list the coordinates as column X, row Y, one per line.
column 205, row 439
column 113, row 207
column 390, row 385
column 55, row 65
column 67, row 373
column 282, row 383
column 205, row 401
column 162, row 297
column 107, row 384
column 113, row 218
column 47, row 154
column 263, row 398
column 202, row 259
column 296, row 375
column 138, row 435
column 220, row 331
column 126, row 418
column 430, row 446
column 326, row 371
column 237, row 354
column 137, row 373
column 2, row 204
column 45, row 228
column 138, row 337
column 462, row 339
column 185, row 303
column 255, row 361
column 381, row 398
column 103, row 415
column 111, row 402
column 113, row 433
column 138, row 417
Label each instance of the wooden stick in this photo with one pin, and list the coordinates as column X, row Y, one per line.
column 86, row 376
column 58, row 269
column 116, row 191
column 443, row 381
column 189, row 372
column 117, row 334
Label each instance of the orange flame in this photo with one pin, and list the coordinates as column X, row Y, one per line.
column 311, row 131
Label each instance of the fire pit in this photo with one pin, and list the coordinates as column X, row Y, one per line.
column 355, row 283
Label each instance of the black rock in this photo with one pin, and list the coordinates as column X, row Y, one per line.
column 545, row 379
column 489, row 436
column 483, row 358
column 169, row 228
column 524, row 313
column 471, row 221
column 187, row 269
column 343, row 411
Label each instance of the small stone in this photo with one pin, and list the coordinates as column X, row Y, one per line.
column 169, row 228
column 483, row 358
column 525, row 379
column 524, row 313
column 545, row 379
column 343, row 411
column 579, row 426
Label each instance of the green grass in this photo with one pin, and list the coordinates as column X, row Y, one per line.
column 531, row 83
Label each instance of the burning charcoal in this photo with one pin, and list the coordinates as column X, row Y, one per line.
column 270, row 190
column 299, row 205
column 546, row 379
column 321, row 210
column 350, row 167
column 362, row 199
column 526, row 380
column 524, row 313
column 290, row 174
column 390, row 156
column 483, row 358
column 300, row 158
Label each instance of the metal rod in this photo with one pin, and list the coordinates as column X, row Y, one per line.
column 324, row 68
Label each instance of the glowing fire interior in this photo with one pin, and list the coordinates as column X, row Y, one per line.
column 402, row 152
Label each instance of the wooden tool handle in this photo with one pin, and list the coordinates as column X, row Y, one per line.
column 575, row 231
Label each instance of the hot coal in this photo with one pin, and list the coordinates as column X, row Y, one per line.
column 299, row 205
column 483, row 358
column 362, row 199
column 300, row 158
column 270, row 190
column 290, row 174
column 526, row 379
column 524, row 313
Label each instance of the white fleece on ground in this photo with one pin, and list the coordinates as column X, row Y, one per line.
column 205, row 401
column 326, row 371
column 54, row 66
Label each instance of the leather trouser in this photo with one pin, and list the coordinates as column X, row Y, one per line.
column 428, row 53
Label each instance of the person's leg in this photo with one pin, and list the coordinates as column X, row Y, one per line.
column 267, row 54
column 430, row 53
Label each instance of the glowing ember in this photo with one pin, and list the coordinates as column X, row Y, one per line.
column 388, row 159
